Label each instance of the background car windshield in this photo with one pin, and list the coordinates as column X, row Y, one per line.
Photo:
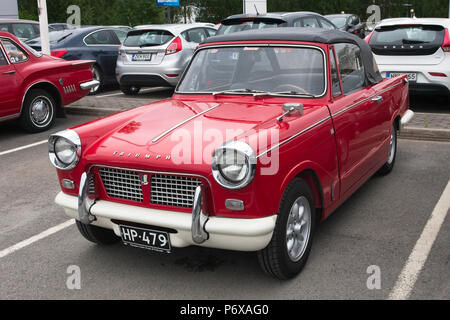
column 248, row 25
column 147, row 38
column 270, row 69
column 399, row 35
column 339, row 22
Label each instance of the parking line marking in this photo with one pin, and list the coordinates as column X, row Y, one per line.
column 110, row 95
column 23, row 147
column 416, row 261
column 35, row 238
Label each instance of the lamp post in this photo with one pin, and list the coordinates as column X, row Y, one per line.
column 43, row 26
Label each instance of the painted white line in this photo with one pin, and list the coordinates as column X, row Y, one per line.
column 411, row 270
column 35, row 238
column 23, row 147
column 110, row 95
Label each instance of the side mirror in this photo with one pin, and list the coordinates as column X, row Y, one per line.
column 291, row 108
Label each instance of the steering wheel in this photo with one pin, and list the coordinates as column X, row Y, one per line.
column 290, row 86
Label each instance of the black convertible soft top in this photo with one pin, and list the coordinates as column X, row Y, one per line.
column 307, row 35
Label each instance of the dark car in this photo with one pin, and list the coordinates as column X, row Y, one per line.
column 88, row 43
column 349, row 23
column 244, row 22
column 60, row 26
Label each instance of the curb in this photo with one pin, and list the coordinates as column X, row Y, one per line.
column 410, row 133
column 427, row 134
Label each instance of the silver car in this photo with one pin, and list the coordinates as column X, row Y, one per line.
column 156, row 55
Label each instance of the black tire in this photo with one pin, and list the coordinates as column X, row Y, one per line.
column 389, row 165
column 96, row 234
column 130, row 90
column 97, row 75
column 37, row 120
column 275, row 259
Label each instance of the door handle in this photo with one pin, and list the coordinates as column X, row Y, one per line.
column 377, row 99
column 9, row 72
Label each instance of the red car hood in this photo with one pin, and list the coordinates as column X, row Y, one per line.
column 181, row 132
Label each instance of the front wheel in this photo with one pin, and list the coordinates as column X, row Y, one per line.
column 389, row 165
column 96, row 234
column 38, row 112
column 288, row 251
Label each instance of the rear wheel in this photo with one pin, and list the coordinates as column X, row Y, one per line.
column 96, row 234
column 288, row 251
column 130, row 90
column 97, row 75
column 389, row 165
column 38, row 112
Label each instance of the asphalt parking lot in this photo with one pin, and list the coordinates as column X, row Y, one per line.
column 378, row 226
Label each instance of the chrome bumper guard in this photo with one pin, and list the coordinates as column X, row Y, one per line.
column 84, row 202
column 199, row 217
column 89, row 85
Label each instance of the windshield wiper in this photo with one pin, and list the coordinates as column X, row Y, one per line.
column 250, row 91
column 285, row 93
column 148, row 45
column 61, row 39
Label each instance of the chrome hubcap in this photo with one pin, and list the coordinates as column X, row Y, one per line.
column 392, row 147
column 96, row 76
column 40, row 111
column 298, row 228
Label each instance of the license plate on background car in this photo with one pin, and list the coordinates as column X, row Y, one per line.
column 145, row 238
column 141, row 57
column 411, row 76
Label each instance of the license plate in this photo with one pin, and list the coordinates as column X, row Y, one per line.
column 141, row 57
column 145, row 238
column 411, row 76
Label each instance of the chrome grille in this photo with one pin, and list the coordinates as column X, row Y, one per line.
column 91, row 185
column 122, row 184
column 172, row 190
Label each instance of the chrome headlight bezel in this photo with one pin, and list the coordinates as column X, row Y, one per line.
column 248, row 155
column 72, row 138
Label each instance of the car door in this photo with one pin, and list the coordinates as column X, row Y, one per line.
column 104, row 45
column 10, row 79
column 356, row 116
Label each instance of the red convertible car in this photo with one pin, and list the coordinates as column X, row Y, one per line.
column 35, row 87
column 267, row 133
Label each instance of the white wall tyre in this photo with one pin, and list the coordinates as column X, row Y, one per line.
column 38, row 111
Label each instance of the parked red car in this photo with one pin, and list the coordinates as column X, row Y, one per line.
column 35, row 87
column 266, row 135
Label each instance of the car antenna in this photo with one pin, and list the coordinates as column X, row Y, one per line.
column 257, row 13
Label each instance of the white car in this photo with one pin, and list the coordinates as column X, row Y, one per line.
column 417, row 47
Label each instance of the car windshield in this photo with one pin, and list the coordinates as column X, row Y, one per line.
column 244, row 25
column 34, row 52
column 339, row 22
column 257, row 71
column 142, row 38
column 400, row 35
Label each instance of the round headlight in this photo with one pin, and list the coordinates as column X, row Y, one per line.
column 234, row 165
column 64, row 149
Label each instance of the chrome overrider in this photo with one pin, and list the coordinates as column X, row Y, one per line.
column 85, row 203
column 199, row 218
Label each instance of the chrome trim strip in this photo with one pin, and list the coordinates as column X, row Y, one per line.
column 183, row 122
column 4, row 52
column 325, row 62
column 83, row 62
column 12, row 116
column 293, row 137
column 366, row 99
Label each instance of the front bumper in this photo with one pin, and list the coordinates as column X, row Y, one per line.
column 224, row 233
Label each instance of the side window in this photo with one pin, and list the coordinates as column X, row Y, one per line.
column 335, row 85
column 102, row 38
column 310, row 22
column 351, row 67
column 211, row 32
column 122, row 35
column 297, row 23
column 15, row 53
column 197, row 35
column 326, row 25
column 4, row 27
column 24, row 30
column 3, row 61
